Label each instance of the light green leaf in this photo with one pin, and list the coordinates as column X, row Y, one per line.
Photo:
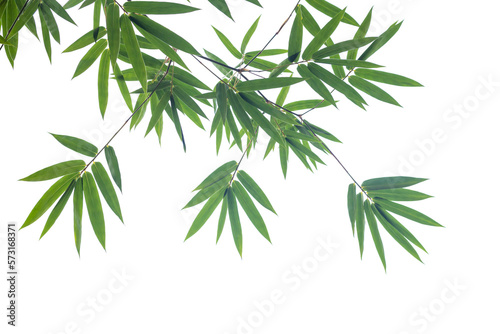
column 94, row 208
column 133, row 51
column 78, row 212
column 262, row 121
column 372, row 90
column 45, row 36
column 58, row 208
column 58, row 9
column 51, row 22
column 295, row 40
column 381, row 41
column 284, row 159
column 391, row 182
column 322, row 133
column 205, row 213
column 398, row 194
column 77, row 144
column 71, row 4
column 103, row 82
column 301, row 148
column 259, row 102
column 227, row 43
column 322, row 36
column 222, row 218
column 113, row 28
column 240, row 113
column 57, row 170
column 234, row 218
column 90, row 57
column 234, row 130
column 122, row 85
column 157, row 111
column 351, row 205
column 222, row 6
column 342, row 47
column 219, row 174
column 174, row 116
column 306, row 104
column 114, row 168
column 269, row 83
column 360, row 222
column 157, row 7
column 327, row 8
column 85, row 40
column 406, row 212
column 97, row 18
column 254, row 190
column 181, row 94
column 315, row 84
column 249, row 35
column 106, row 188
column 377, row 240
column 348, row 62
column 208, row 191
column 387, row 78
column 361, row 33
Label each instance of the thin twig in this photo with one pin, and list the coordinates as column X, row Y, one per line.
column 241, row 160
column 15, row 21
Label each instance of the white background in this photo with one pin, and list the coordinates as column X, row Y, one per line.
column 168, row 286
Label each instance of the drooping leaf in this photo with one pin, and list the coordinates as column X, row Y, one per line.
column 114, row 168
column 381, row 41
column 387, row 78
column 350, row 63
column 315, row 83
column 391, row 182
column 351, row 205
column 97, row 18
column 77, row 144
column 71, row 4
column 90, row 57
column 406, row 212
column 306, row 104
column 372, row 90
column 249, row 35
column 51, row 22
column 10, row 15
column 25, row 17
column 340, row 47
column 94, row 207
column 262, row 121
column 205, row 213
column 45, row 36
column 103, row 82
column 284, row 159
column 322, row 36
column 361, row 33
column 85, row 40
column 327, row 8
column 234, row 218
column 122, row 85
column 174, row 116
column 133, row 50
column 157, row 7
column 253, row 188
column 222, row 6
column 106, row 188
column 301, row 148
column 58, row 9
column 113, row 29
column 372, row 224
column 269, row 83
column 208, row 191
column 220, row 173
column 240, row 113
column 227, row 43
column 158, row 110
column 78, row 212
column 321, row 132
column 295, row 40
column 360, row 222
column 399, row 194
column 259, row 102
column 222, row 218
column 162, row 46
column 234, row 130
column 57, row 170
column 58, row 208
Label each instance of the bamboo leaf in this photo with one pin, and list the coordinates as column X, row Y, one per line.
column 234, row 130
column 306, row 104
column 71, row 4
column 372, row 90
column 158, row 110
column 222, row 6
column 113, row 28
column 205, row 213
column 181, row 94
column 351, row 205
column 315, row 84
column 217, row 175
column 387, row 78
column 322, row 133
column 406, row 212
column 259, row 102
column 90, row 57
column 262, row 121
column 77, row 145
column 106, row 188
column 58, row 208
column 284, row 159
column 57, row 170
column 299, row 135
column 122, row 85
column 240, row 113
column 253, row 188
column 322, row 36
column 381, row 41
column 45, row 36
column 78, row 212
column 103, row 82
column 133, row 51
column 94, row 208
column 114, row 168
column 360, row 222
column 10, row 15
column 49, row 198
column 255, row 2
column 222, row 218
column 297, row 145
column 338, row 48
column 328, row 9
column 361, row 33
column 249, row 35
column 86, row 40
column 250, row 209
column 391, row 182
column 97, row 18
column 399, row 194
column 174, row 116
column 295, row 40
column 372, row 224
column 59, row 10
column 269, row 83
column 235, row 221
column 25, row 17
column 227, row 43
column 163, row 47
column 157, row 7
column 51, row 22
column 350, row 63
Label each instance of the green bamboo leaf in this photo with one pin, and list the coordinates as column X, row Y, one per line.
column 181, row 94
column 360, row 222
column 103, row 82
column 58, row 208
column 26, row 16
column 253, row 188
column 398, row 194
column 262, row 121
column 351, row 205
column 97, row 18
column 4, row 42
column 280, row 100
column 174, row 116
column 71, row 4
column 322, row 133
column 340, row 47
column 269, row 83
column 78, row 212
column 299, row 135
column 205, row 213
column 302, row 157
column 255, row 2
column 45, row 36
column 189, row 79
column 227, row 43
column 222, row 218
column 133, row 50
column 406, row 212
column 372, row 224
column 270, row 147
column 157, row 7
column 48, row 198
column 266, row 52
column 163, row 33
column 306, row 104
column 391, row 182
column 240, row 113
column 59, row 10
column 106, row 188
column 399, row 227
column 387, row 78
column 259, row 102
column 234, row 218
column 189, row 113
column 10, row 15
column 249, row 35
column 218, row 137
column 159, row 128
column 234, row 130
column 372, row 90
column 295, row 40
column 87, row 3
column 361, row 33
column 3, row 5
column 113, row 28
column 122, row 85
column 94, row 207
column 328, row 9
column 250, row 209
column 90, row 57
column 222, row 6
column 224, row 70
column 315, row 83
column 381, row 41
column 284, row 159
column 114, row 168
column 86, row 40
column 217, row 175
column 395, row 234
column 57, row 170
column 322, row 36
column 350, row 63
column 338, row 84
column 77, row 144
column 301, row 148
column 51, row 22
column 158, row 110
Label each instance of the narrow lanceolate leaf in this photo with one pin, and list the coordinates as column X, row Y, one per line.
column 302, row 136
column 208, row 191
column 372, row 90
column 113, row 28
column 234, row 218
column 222, row 6
column 315, row 83
column 387, row 78
column 85, row 40
column 97, row 17
column 337, row 83
column 269, row 83
column 103, row 82
column 255, row 2
column 78, row 212
column 158, row 110
column 350, row 63
column 222, row 218
column 57, row 170
column 114, row 168
column 351, row 205
column 240, row 113
column 59, row 10
column 90, row 57
column 205, row 213
column 406, row 212
column 321, row 132
column 71, row 4
column 45, row 36
column 398, row 194
column 133, row 51
column 284, row 159
column 106, row 188
column 10, row 15
column 49, row 198
column 360, row 222
column 295, row 40
column 250, row 209
column 174, row 116
column 157, row 7
column 77, row 144
column 372, row 224
column 249, row 35
column 259, row 102
column 218, row 174
column 395, row 233
column 301, row 148
column 227, row 43
column 306, row 104
column 51, row 22
column 221, row 92
column 182, row 95
column 327, row 8
column 391, row 182
column 58, row 208
column 361, row 33
column 26, row 16
column 381, row 41
column 122, row 85
column 322, row 36
column 254, row 190
column 262, row 121
column 163, row 33
column 234, row 130
column 342, row 47
column 94, row 207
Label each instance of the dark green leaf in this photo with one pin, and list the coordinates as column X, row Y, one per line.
column 406, row 212
column 399, row 194
column 133, row 50
column 114, row 168
column 235, row 221
column 113, row 27
column 103, row 81
column 295, row 40
column 181, row 94
column 327, row 8
column 360, row 222
column 90, row 57
column 58, row 208
column 254, row 190
column 51, row 22
column 387, row 78
column 306, row 104
column 222, row 218
column 269, row 83
column 71, row 3
column 240, row 113
column 122, row 85
column 45, row 36
column 372, row 223
column 315, row 83
column 259, row 102
column 97, row 18
column 58, row 9
column 158, row 110
column 249, row 35
column 372, row 90
column 78, row 212
column 342, row 47
column 322, row 36
column 94, row 207
column 297, row 145
column 262, row 121
column 77, row 145
column 284, row 159
column 234, row 130
column 106, row 188
column 222, row 6
column 351, row 205
column 57, row 170
column 381, row 41
column 157, row 7
column 27, row 15
column 174, row 116
column 227, row 43
column 391, row 182
column 322, row 133
column 85, row 40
